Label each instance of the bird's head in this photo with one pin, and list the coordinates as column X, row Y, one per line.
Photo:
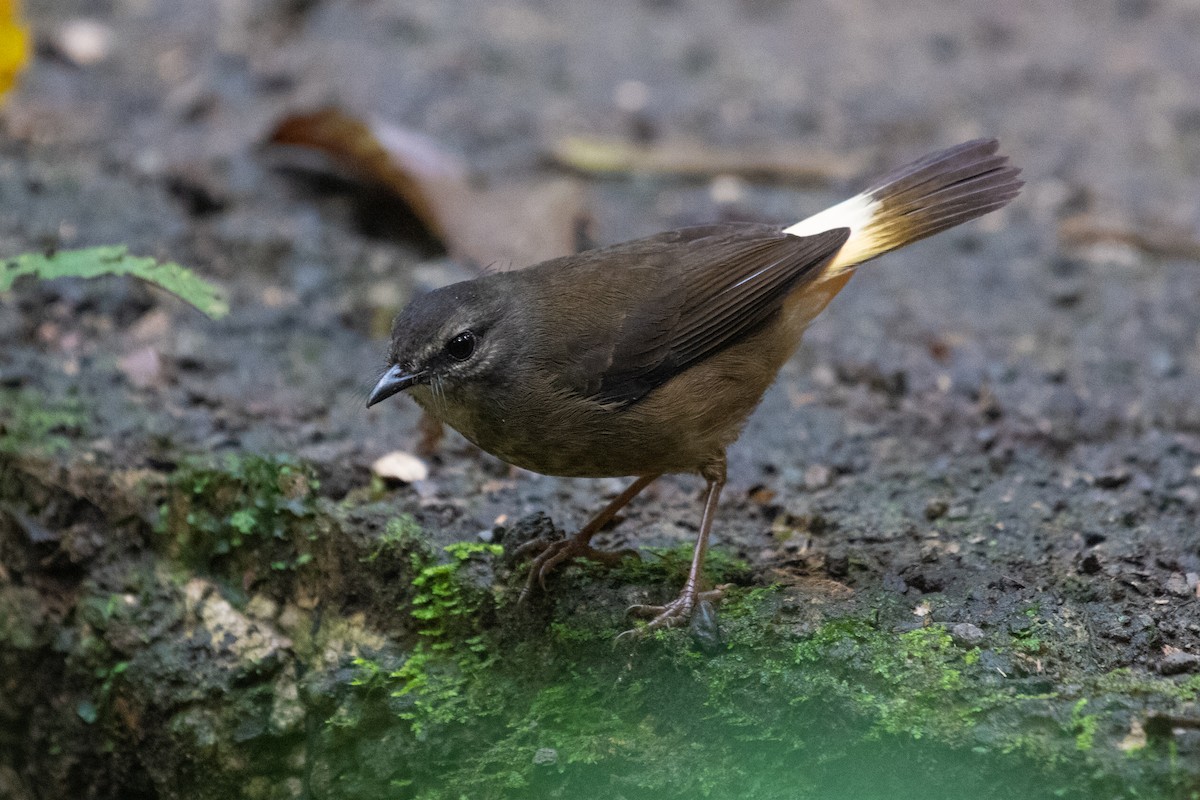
column 448, row 337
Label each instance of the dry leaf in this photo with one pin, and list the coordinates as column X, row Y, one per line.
column 1155, row 239
column 507, row 227
column 693, row 159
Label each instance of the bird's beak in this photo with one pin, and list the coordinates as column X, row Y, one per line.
column 393, row 381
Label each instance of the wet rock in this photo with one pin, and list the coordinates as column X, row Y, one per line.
column 1090, row 564
column 1177, row 585
column 229, row 633
column 966, row 634
column 705, row 629
column 287, row 712
column 996, row 662
column 1177, row 662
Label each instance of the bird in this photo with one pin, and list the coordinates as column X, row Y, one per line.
column 646, row 358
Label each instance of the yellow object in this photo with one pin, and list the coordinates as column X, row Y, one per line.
column 14, row 44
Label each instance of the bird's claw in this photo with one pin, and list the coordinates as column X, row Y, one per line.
column 677, row 612
column 560, row 551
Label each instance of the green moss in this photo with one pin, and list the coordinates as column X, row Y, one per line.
column 215, row 508
column 560, row 712
column 402, row 535
column 908, row 682
column 1084, row 725
column 671, row 564
column 450, row 651
column 1125, row 682
column 33, row 423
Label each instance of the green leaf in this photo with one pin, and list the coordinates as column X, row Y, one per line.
column 94, row 262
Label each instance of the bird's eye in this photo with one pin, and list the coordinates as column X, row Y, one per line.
column 462, row 346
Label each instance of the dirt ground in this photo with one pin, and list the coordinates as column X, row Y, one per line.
column 996, row 431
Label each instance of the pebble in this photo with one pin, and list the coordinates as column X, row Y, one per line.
column 1177, row 585
column 935, row 509
column 84, row 42
column 1178, row 662
column 965, row 634
column 142, row 368
column 1113, row 479
column 400, row 466
column 817, row 476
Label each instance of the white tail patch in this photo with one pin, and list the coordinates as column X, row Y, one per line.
column 859, row 214
column 927, row 196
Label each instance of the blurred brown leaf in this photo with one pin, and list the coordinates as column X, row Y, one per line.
column 507, row 227
column 1155, row 239
column 688, row 158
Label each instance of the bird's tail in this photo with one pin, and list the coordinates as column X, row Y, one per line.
column 920, row 199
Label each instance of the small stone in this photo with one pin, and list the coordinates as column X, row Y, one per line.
column 817, row 476
column 486, row 535
column 1113, row 479
column 1177, row 585
column 83, row 42
column 1178, row 662
column 545, row 757
column 958, row 512
column 965, row 634
column 936, row 508
column 727, row 189
column 1188, row 495
column 986, row 437
column 142, row 368
column 287, row 711
column 262, row 607
column 401, row 467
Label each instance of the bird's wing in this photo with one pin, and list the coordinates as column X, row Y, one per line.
column 699, row 291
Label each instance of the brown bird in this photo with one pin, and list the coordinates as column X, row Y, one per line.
column 647, row 357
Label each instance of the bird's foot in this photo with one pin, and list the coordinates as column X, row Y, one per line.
column 552, row 554
column 675, row 613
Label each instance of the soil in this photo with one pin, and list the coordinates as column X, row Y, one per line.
column 994, row 433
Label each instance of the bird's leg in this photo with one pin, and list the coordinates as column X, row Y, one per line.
column 579, row 545
column 680, row 609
